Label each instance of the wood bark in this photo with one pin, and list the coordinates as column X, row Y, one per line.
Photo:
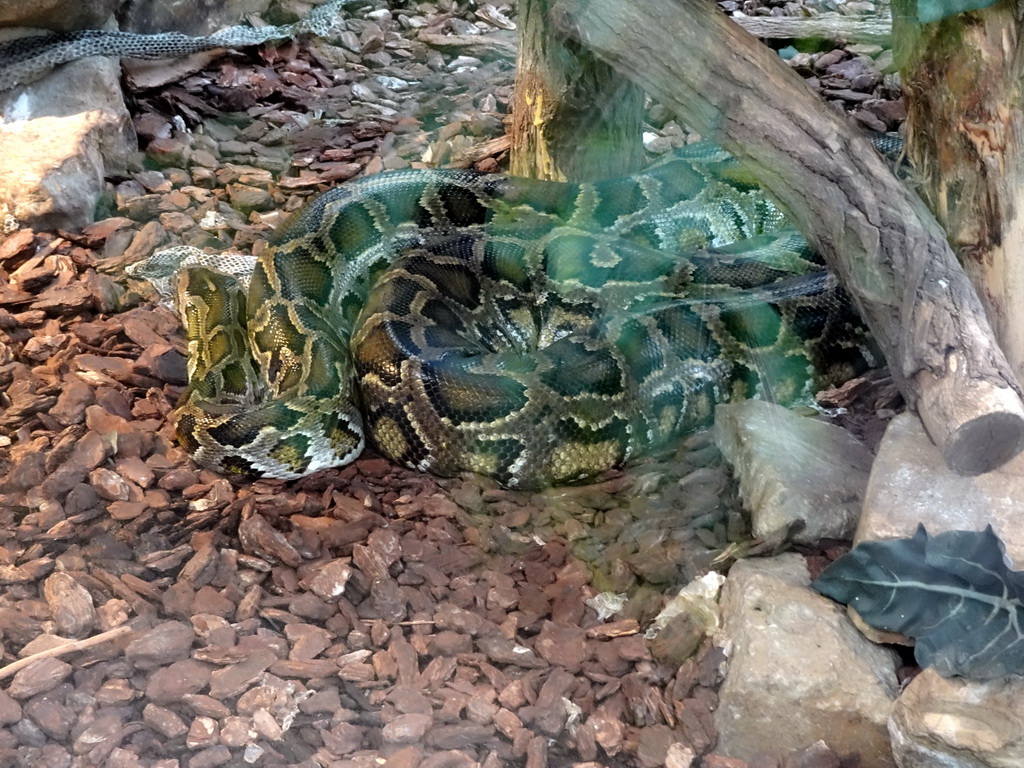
column 963, row 76
column 573, row 116
column 878, row 236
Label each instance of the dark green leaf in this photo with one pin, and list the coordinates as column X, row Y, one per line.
column 935, row 10
column 953, row 593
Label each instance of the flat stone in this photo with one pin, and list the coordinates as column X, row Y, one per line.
column 10, row 710
column 958, row 722
column 788, row 649
column 246, row 198
column 167, row 685
column 793, row 468
column 910, row 484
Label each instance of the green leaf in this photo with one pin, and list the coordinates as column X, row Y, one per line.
column 953, row 592
column 936, row 10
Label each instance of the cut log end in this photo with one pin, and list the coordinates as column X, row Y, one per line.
column 985, row 443
column 976, row 424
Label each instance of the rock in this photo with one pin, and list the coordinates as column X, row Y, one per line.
column 246, row 199
column 55, row 177
column 61, row 135
column 788, row 648
column 142, row 75
column 869, row 120
column 826, row 60
column 891, row 112
column 681, row 626
column 192, row 17
column 910, row 484
column 165, row 643
column 58, row 15
column 70, row 604
column 38, row 677
column 83, row 87
column 791, row 468
column 851, row 69
column 958, row 722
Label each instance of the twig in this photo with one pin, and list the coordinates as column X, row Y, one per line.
column 63, row 650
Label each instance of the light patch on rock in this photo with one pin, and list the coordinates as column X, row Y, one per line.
column 699, row 599
column 792, row 468
column 798, row 670
column 956, row 722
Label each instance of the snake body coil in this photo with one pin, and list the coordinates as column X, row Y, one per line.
column 536, row 332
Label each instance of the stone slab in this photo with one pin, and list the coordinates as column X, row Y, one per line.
column 798, row 670
column 55, row 179
column 910, row 484
column 793, row 468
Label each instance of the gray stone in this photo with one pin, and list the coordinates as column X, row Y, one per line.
column 958, row 723
column 911, row 484
column 799, row 671
column 793, row 468
column 58, row 15
column 193, row 17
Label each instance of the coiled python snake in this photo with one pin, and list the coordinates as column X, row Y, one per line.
column 536, row 332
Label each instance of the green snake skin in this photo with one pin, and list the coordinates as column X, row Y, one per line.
column 536, row 332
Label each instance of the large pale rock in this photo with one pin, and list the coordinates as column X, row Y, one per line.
column 911, row 484
column 957, row 723
column 192, row 17
column 58, row 15
column 799, row 671
column 791, row 468
column 62, row 134
column 55, row 177
column 78, row 88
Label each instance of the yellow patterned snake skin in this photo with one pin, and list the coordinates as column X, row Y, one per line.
column 536, row 332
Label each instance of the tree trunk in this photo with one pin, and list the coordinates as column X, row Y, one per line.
column 573, row 116
column 964, row 128
column 875, row 233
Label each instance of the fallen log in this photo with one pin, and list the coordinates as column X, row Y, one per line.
column 832, row 27
column 874, row 231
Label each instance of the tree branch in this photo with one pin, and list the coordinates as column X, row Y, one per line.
column 872, row 230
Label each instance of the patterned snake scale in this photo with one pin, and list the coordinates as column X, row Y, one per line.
column 536, row 332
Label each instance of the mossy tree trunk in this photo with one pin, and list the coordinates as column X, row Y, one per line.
column 963, row 77
column 573, row 116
